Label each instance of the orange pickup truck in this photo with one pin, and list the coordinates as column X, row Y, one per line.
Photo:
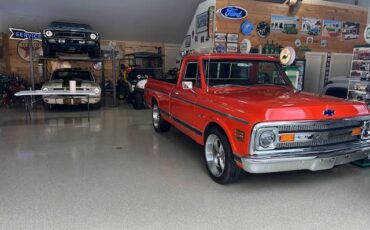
column 248, row 116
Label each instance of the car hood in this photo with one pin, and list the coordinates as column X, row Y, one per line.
column 69, row 28
column 65, row 84
column 264, row 103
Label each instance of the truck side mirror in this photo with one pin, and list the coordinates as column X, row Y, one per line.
column 187, row 85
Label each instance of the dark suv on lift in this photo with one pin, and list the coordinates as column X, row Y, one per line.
column 66, row 37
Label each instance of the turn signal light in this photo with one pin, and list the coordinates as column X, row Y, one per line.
column 239, row 135
column 289, row 137
column 356, row 131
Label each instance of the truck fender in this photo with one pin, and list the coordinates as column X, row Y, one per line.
column 223, row 126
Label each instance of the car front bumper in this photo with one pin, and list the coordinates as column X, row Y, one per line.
column 319, row 159
column 76, row 100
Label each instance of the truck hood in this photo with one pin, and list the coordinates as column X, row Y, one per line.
column 275, row 103
column 65, row 84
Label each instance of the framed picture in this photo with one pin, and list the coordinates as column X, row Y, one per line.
column 202, row 22
column 331, row 28
column 220, row 37
column 281, row 24
column 309, row 40
column 232, row 47
column 220, row 47
column 351, row 30
column 323, row 43
column 188, row 41
column 311, row 26
column 234, row 38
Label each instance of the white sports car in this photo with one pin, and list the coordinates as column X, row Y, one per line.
column 85, row 81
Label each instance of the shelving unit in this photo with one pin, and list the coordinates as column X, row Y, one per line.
column 359, row 81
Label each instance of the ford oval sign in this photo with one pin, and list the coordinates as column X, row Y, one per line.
column 233, row 12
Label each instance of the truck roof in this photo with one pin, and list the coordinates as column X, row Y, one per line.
column 260, row 57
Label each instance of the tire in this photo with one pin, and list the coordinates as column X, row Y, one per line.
column 159, row 125
column 219, row 158
column 138, row 101
column 96, row 106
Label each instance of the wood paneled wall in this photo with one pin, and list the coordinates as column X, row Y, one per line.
column 262, row 11
column 15, row 65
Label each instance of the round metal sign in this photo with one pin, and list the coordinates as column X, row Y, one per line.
column 287, row 56
column 24, row 51
column 247, row 28
column 245, row 46
column 367, row 34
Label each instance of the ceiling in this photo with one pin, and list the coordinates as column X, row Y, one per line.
column 134, row 20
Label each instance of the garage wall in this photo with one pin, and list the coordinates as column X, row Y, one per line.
column 259, row 11
column 13, row 64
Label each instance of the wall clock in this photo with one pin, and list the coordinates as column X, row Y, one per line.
column 263, row 29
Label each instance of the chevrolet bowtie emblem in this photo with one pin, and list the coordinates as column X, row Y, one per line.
column 329, row 112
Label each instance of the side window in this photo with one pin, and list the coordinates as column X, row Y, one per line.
column 192, row 74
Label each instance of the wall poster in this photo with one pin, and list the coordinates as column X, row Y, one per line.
column 311, row 26
column 351, row 30
column 331, row 28
column 284, row 24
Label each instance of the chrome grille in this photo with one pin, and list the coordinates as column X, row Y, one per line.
column 66, row 34
column 323, row 133
column 322, row 125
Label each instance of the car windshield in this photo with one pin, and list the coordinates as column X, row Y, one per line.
column 72, row 75
column 243, row 73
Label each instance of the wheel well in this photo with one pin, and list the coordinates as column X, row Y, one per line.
column 213, row 125
column 154, row 101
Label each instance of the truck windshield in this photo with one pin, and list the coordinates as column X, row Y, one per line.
column 72, row 75
column 244, row 73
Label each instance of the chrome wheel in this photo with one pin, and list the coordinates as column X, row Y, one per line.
column 156, row 116
column 215, row 155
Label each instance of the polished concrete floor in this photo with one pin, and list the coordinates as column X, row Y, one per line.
column 61, row 172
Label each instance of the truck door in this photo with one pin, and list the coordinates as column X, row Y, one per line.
column 182, row 100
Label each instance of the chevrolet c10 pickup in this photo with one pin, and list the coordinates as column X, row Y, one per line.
column 245, row 112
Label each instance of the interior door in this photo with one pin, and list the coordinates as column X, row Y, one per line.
column 182, row 100
column 315, row 71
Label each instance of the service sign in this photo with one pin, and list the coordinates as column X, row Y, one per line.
column 287, row 56
column 23, row 34
column 367, row 34
column 233, row 12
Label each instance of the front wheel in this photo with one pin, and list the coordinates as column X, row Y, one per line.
column 219, row 158
column 160, row 125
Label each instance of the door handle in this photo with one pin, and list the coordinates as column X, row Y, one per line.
column 176, row 93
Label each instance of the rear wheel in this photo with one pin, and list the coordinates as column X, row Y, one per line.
column 138, row 102
column 159, row 124
column 219, row 158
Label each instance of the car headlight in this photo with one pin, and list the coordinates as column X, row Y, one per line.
column 366, row 131
column 97, row 90
column 48, row 33
column 93, row 36
column 266, row 138
column 45, row 89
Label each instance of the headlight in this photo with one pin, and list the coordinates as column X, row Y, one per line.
column 45, row 89
column 266, row 138
column 93, row 36
column 48, row 33
column 97, row 90
column 366, row 130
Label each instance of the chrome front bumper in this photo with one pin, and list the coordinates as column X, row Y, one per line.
column 313, row 160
